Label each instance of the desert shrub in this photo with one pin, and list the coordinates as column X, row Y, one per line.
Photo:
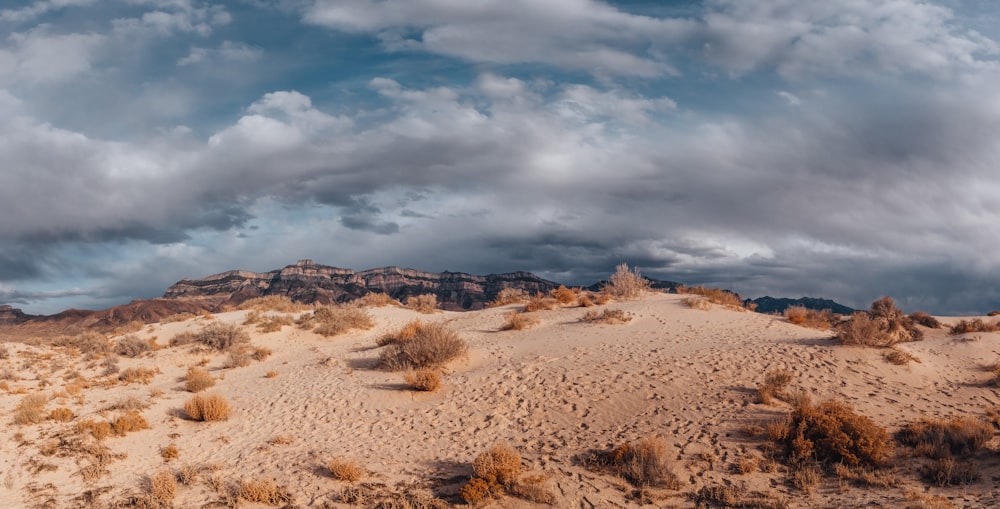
column 974, row 325
column 169, row 452
column 993, row 313
column 183, row 338
column 720, row 296
column 426, row 303
column 508, row 296
column 432, row 345
column 518, row 321
column 899, row 357
column 950, row 472
column 867, row 477
column 532, row 488
column 805, row 477
column 831, row 432
column 61, row 414
column 925, row 319
column 564, row 295
column 137, row 375
column 178, row 317
column 585, row 300
column 800, row 315
column 775, row 383
column 608, row 316
column 405, row 333
column 477, row 490
column 697, row 303
column 273, row 323
column 128, row 404
column 499, row 464
column 207, row 408
column 279, row 303
column 98, row 429
column 128, row 423
column 162, row 488
column 331, row 321
column 345, row 470
column 425, row 379
column 376, row 300
column 89, row 342
column 31, row 409
column 747, row 465
column 271, row 374
column 643, row 463
column 936, row 438
column 540, row 302
column 881, row 326
column 260, row 353
column 264, row 491
column 626, row 284
column 237, row 358
column 132, row 346
column 221, row 336
column 197, row 379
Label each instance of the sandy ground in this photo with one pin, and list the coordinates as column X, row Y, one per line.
column 553, row 392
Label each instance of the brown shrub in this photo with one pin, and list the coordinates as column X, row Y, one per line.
column 747, row 465
column 936, row 438
column 805, row 477
column 271, row 374
column 899, row 357
column 162, row 488
column 376, row 300
column 626, row 284
column 477, row 490
column 183, row 338
column 974, row 325
column 508, row 296
column 720, row 297
column 132, row 346
column 950, row 472
column 237, row 358
column 197, row 379
column 881, row 326
column 127, row 423
column 89, row 342
column 99, row 430
column 697, row 303
column 128, row 404
column 61, row 414
column 432, row 345
column 426, row 303
column 775, row 383
column 831, row 432
column 608, row 316
column 221, row 336
column 925, row 319
column 644, row 463
column 518, row 321
column 279, row 303
column 540, row 303
column 345, row 470
column 264, row 491
column 564, row 295
column 137, row 375
column 169, row 452
column 406, row 333
column 532, row 488
column 273, row 323
column 585, row 301
column 207, row 408
column 31, row 409
column 332, row 321
column 800, row 315
column 500, row 464
column 425, row 379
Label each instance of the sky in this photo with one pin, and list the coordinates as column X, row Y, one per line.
column 846, row 150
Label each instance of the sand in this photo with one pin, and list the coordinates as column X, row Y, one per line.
column 554, row 392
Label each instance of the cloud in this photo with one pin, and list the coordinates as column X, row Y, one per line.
column 41, row 56
column 228, row 51
column 39, row 8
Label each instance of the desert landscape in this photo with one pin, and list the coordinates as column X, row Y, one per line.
column 625, row 397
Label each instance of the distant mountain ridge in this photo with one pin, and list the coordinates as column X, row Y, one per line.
column 779, row 305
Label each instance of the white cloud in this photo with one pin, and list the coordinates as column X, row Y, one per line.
column 228, row 51
column 40, row 56
column 39, row 8
column 789, row 97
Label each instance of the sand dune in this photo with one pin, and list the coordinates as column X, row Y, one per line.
column 553, row 392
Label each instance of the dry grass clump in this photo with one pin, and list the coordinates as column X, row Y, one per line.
column 881, row 326
column 207, row 408
column 800, row 315
column 162, row 488
column 718, row 296
column 128, row 404
column 237, row 358
column 540, row 302
column 273, row 323
column 132, row 346
column 182, row 338
column 937, row 438
column 508, row 296
column 831, row 432
column 518, row 321
column 98, row 429
column 899, row 357
column 279, row 303
column 608, row 316
column 495, row 471
column 345, row 470
column 61, row 414
column 128, row 423
column 169, row 452
column 330, row 321
column 974, row 325
column 376, row 300
column 733, row 496
column 747, row 465
column 137, row 375
column 644, row 463
column 698, row 303
column 775, row 383
column 31, row 409
column 406, row 333
column 925, row 319
column 271, row 374
column 564, row 295
column 431, row 345
column 89, row 342
column 425, row 379
column 426, row 303
column 865, row 476
column 626, row 284
column 221, row 336
column 197, row 379
column 263, row 491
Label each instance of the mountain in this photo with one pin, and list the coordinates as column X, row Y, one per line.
column 779, row 305
column 311, row 283
column 12, row 315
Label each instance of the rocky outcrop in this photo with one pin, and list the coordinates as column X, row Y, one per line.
column 313, row 283
column 12, row 315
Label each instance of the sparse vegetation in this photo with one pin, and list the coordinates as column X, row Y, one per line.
column 518, row 321
column 273, row 323
column 899, row 357
column 237, row 358
column 775, row 383
column 540, row 302
column 162, row 488
column 831, row 432
column 221, row 336
column 608, row 316
column 31, row 409
column 431, row 345
column 207, row 408
column 198, row 379
column 127, row 423
column 699, row 303
column 169, row 452
column 718, row 296
column 331, row 321
column 376, row 300
column 425, row 379
column 925, row 319
column 345, row 470
column 974, row 325
column 426, row 303
column 495, row 471
column 626, row 284
column 881, row 326
column 800, row 315
column 264, row 491
column 279, row 303
column 564, row 295
column 508, row 296
column 137, row 375
column 644, row 463
column 132, row 346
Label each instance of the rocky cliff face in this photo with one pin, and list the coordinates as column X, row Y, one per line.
column 309, row 282
column 12, row 315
